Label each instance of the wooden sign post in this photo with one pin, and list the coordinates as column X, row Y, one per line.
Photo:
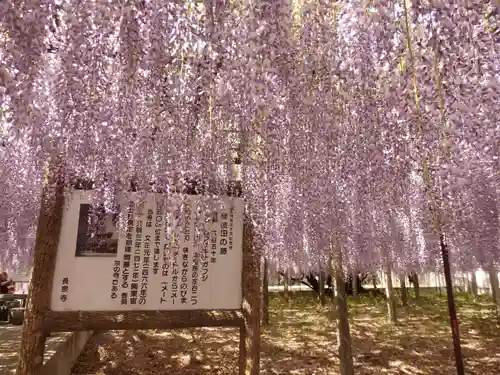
column 44, row 260
column 133, row 276
column 249, row 363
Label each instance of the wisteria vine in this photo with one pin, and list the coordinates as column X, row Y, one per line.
column 355, row 123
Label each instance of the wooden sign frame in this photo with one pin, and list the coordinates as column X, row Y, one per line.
column 40, row 320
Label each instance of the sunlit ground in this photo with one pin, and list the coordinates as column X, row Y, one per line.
column 302, row 340
column 10, row 344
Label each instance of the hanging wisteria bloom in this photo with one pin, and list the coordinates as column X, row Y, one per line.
column 367, row 129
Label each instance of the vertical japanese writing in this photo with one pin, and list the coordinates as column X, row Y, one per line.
column 64, row 289
column 213, row 248
column 127, row 256
column 187, row 223
column 204, row 257
column 115, row 280
column 161, row 225
column 231, row 221
column 157, row 243
column 165, row 265
column 197, row 239
column 175, row 269
column 145, row 269
column 157, row 248
column 223, row 233
column 125, row 270
column 136, row 279
column 163, row 257
column 194, row 279
column 184, row 274
column 149, row 218
column 164, row 291
column 130, row 228
column 186, row 231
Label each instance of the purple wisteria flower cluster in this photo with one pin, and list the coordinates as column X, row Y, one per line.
column 371, row 127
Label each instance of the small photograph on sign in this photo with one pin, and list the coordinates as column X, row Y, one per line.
column 97, row 232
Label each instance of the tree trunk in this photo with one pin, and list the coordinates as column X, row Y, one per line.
column 459, row 360
column 416, row 286
column 391, row 300
column 473, row 284
column 322, row 295
column 343, row 330
column 355, row 292
column 495, row 290
column 40, row 287
column 265, row 294
column 374, row 282
column 286, row 281
column 465, row 282
column 404, row 291
column 250, row 335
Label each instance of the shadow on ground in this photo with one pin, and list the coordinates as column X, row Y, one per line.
column 302, row 340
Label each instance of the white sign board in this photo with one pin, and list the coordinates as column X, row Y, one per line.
column 167, row 255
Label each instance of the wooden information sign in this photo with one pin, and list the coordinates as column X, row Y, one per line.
column 162, row 263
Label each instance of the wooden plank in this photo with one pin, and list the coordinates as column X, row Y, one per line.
column 58, row 321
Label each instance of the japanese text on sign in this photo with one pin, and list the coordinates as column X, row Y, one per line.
column 170, row 253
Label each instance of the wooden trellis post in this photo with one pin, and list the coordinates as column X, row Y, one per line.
column 250, row 333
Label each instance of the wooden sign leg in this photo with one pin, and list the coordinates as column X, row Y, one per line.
column 40, row 289
column 242, row 360
column 32, row 347
column 251, row 304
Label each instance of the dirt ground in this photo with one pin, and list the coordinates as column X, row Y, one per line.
column 302, row 340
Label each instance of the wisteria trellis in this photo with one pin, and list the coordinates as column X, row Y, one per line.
column 338, row 113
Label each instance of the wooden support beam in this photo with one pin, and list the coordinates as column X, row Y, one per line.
column 61, row 321
column 251, row 301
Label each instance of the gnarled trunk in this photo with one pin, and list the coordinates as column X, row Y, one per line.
column 404, row 291
column 265, row 293
column 322, row 294
column 355, row 286
column 389, row 292
column 495, row 291
column 40, row 288
column 416, row 284
column 343, row 330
